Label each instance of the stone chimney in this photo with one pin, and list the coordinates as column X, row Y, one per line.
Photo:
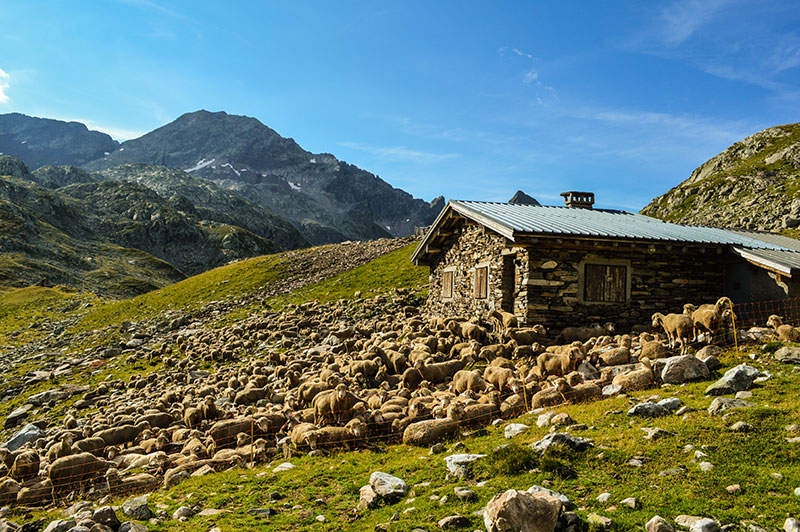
column 580, row 200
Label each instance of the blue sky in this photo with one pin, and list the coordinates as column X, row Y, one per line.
column 467, row 99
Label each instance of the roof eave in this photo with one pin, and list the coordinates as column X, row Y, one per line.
column 772, row 265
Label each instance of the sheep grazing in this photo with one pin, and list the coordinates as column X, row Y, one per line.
column 617, row 355
column 60, row 449
column 503, row 320
column 74, row 471
column 26, row 466
column 557, row 363
column 678, row 328
column 638, row 379
column 466, row 380
column 785, row 333
column 552, row 396
column 499, row 377
column 708, row 318
column 526, row 336
column 468, row 331
column 583, row 334
column 336, row 405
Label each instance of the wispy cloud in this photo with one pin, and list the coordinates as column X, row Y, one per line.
column 682, row 19
column 4, row 77
column 400, row 153
column 530, row 76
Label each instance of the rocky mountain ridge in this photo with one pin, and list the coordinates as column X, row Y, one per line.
column 754, row 184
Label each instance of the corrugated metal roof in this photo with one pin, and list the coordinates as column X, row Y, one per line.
column 781, row 261
column 509, row 219
column 772, row 238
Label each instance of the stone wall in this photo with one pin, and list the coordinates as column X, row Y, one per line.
column 471, row 247
column 547, row 278
column 661, row 280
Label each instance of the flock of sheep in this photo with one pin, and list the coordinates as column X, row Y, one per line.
column 321, row 377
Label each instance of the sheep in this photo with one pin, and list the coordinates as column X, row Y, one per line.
column 465, row 380
column 9, row 488
column 412, row 378
column 132, row 484
column 638, row 379
column 26, row 466
column 35, row 493
column 304, row 436
column 557, row 363
column 223, row 433
column 469, row 331
column 677, row 326
column 337, row 403
column 582, row 334
column 499, row 377
column 156, row 460
column 584, row 392
column 653, row 349
column 552, row 396
column 785, row 333
column 526, row 336
column 63, row 448
column 503, row 319
column 121, row 435
column 73, row 471
column 426, row 433
column 92, row 445
column 617, row 355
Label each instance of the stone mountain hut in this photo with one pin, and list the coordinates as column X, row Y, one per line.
column 574, row 264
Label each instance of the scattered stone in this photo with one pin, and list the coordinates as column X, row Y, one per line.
column 183, row 511
column 285, row 466
column 704, row 525
column 788, row 355
column 544, row 419
column 671, row 403
column 131, row 526
column 776, row 476
column 576, row 443
column 17, row 415
column 176, row 479
column 743, row 395
column 465, row 494
column 562, row 420
column 635, row 462
column 604, row 497
column 797, row 492
column 320, row 518
column 599, row 521
column 26, row 434
column 459, row 464
column 437, row 448
column 388, row 487
column 734, row 380
column 205, row 470
column 60, row 525
column 723, row 404
column 734, row 488
column 648, row 410
column 741, row 426
column 680, row 369
column 105, row 515
column 137, row 508
column 208, row 512
column 705, row 466
column 630, row 502
column 791, row 525
column 565, row 502
column 656, row 433
column 263, row 512
column 515, row 429
column 658, row 524
column 453, row 521
column 521, row 511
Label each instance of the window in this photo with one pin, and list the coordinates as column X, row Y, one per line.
column 605, row 283
column 481, row 282
column 447, row 284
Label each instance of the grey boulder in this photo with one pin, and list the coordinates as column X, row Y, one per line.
column 520, row 511
column 388, row 487
column 734, row 380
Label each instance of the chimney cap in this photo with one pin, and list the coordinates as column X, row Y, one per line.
column 581, row 200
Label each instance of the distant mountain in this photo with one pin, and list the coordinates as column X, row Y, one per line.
column 42, row 141
column 754, row 184
column 112, row 233
column 520, row 198
column 327, row 199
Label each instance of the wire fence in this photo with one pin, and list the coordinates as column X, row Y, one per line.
column 265, row 435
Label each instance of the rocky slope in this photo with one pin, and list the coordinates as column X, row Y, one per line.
column 111, row 233
column 42, row 141
column 754, row 184
column 327, row 199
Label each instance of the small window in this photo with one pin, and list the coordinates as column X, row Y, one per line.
column 447, row 284
column 481, row 282
column 605, row 283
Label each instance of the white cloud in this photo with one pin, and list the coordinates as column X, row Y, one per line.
column 530, row 77
column 4, row 77
column 682, row 19
column 400, row 153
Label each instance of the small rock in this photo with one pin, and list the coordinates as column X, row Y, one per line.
column 599, row 521
column 389, row 487
column 797, row 492
column 453, row 521
column 706, row 466
column 320, row 518
column 130, row 526
column 743, row 395
column 671, row 403
column 136, row 508
column 734, row 380
column 60, row 525
column 791, row 525
column 723, row 404
column 183, row 511
column 565, row 502
column 734, row 488
column 576, row 443
column 562, row 420
column 648, row 410
column 658, row 524
column 741, row 426
column 437, row 448
column 263, row 512
column 521, row 512
column 604, row 497
column 776, row 476
column 465, row 494
column 544, row 419
column 630, row 502
column 656, row 433
column 459, row 464
column 680, row 369
column 105, row 515
column 704, row 525
column 285, row 466
column 515, row 429
column 788, row 355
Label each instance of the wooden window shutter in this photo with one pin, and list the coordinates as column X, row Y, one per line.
column 447, row 284
column 594, row 282
column 605, row 283
column 481, row 281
